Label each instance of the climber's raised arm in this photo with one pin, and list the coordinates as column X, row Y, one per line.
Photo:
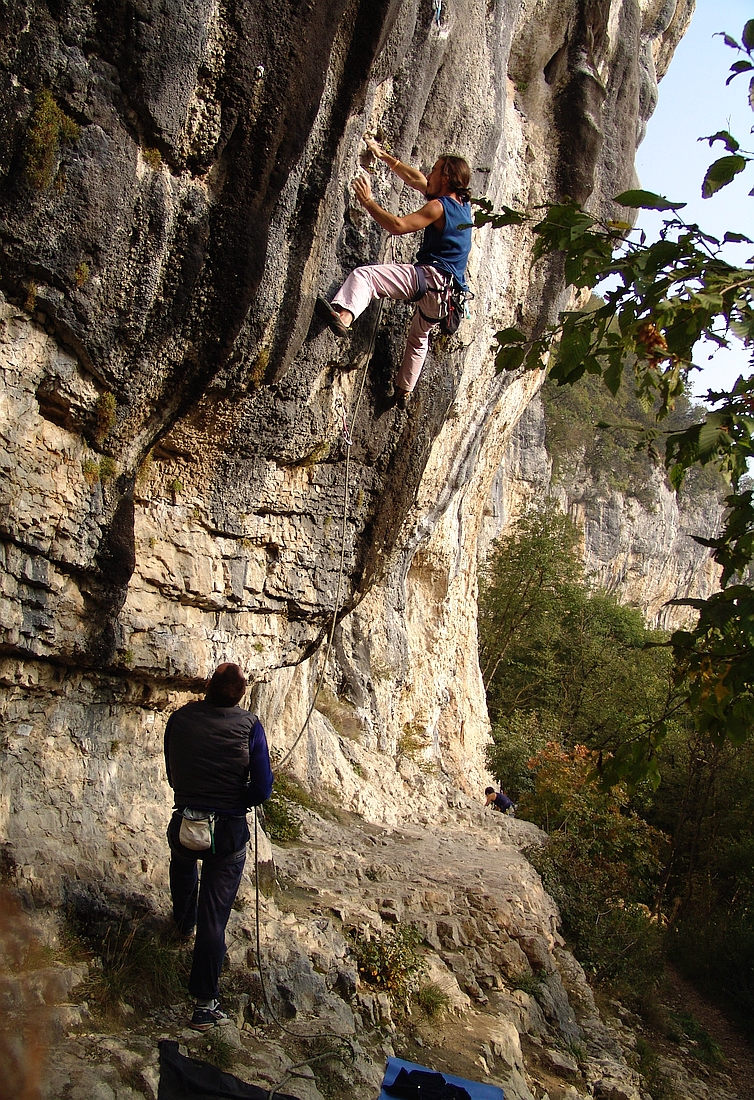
column 412, row 176
column 431, row 212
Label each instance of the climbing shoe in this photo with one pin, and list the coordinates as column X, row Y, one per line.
column 401, row 398
column 208, row 1016
column 330, row 316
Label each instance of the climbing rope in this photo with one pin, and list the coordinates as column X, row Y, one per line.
column 348, row 441
column 345, row 1049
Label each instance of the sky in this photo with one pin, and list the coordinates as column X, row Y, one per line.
column 695, row 102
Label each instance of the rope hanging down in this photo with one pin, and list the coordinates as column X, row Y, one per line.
column 348, row 441
column 345, row 1047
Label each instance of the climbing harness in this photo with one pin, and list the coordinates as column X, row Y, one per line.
column 452, row 301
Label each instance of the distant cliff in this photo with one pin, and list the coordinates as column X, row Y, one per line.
column 638, row 534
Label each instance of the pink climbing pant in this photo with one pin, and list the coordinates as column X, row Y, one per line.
column 396, row 281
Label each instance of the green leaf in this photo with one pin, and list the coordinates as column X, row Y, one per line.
column 613, row 376
column 727, row 139
column 534, row 357
column 498, row 220
column 748, row 35
column 738, row 67
column 509, row 358
column 711, row 437
column 737, row 238
column 510, row 336
column 647, row 200
column 721, row 173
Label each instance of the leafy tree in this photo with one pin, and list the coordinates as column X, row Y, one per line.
column 560, row 659
column 660, row 299
column 612, row 458
column 601, row 864
column 527, row 576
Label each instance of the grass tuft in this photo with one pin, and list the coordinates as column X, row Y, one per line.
column 432, row 1000
column 138, row 966
column 106, row 409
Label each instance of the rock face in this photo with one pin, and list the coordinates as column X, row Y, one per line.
column 173, row 194
column 643, row 550
column 177, row 489
column 519, row 1013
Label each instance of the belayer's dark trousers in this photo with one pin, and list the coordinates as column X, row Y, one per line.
column 205, row 903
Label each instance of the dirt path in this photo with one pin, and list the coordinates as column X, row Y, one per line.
column 683, row 997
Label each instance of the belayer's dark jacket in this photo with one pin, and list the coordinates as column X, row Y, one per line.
column 217, row 758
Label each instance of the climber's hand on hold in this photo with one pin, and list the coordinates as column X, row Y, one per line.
column 362, row 189
column 375, row 148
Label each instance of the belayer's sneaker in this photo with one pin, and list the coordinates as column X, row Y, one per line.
column 208, row 1016
column 330, row 316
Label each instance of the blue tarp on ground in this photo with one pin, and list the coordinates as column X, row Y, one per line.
column 475, row 1090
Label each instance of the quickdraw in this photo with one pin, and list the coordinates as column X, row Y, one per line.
column 340, row 409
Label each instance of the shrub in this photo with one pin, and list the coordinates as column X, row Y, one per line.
column 391, row 961
column 516, row 740
column 90, row 470
column 601, row 866
column 411, row 745
column 281, row 821
column 527, row 981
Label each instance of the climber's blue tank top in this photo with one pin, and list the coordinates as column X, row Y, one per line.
column 449, row 248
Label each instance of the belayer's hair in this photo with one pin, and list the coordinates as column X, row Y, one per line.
column 226, row 687
column 489, row 790
column 458, row 175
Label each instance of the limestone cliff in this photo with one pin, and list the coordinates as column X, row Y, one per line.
column 173, row 193
column 638, row 542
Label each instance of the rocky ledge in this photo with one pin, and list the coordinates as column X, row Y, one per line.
column 519, row 1010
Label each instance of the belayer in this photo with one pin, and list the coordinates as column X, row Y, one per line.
column 440, row 263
